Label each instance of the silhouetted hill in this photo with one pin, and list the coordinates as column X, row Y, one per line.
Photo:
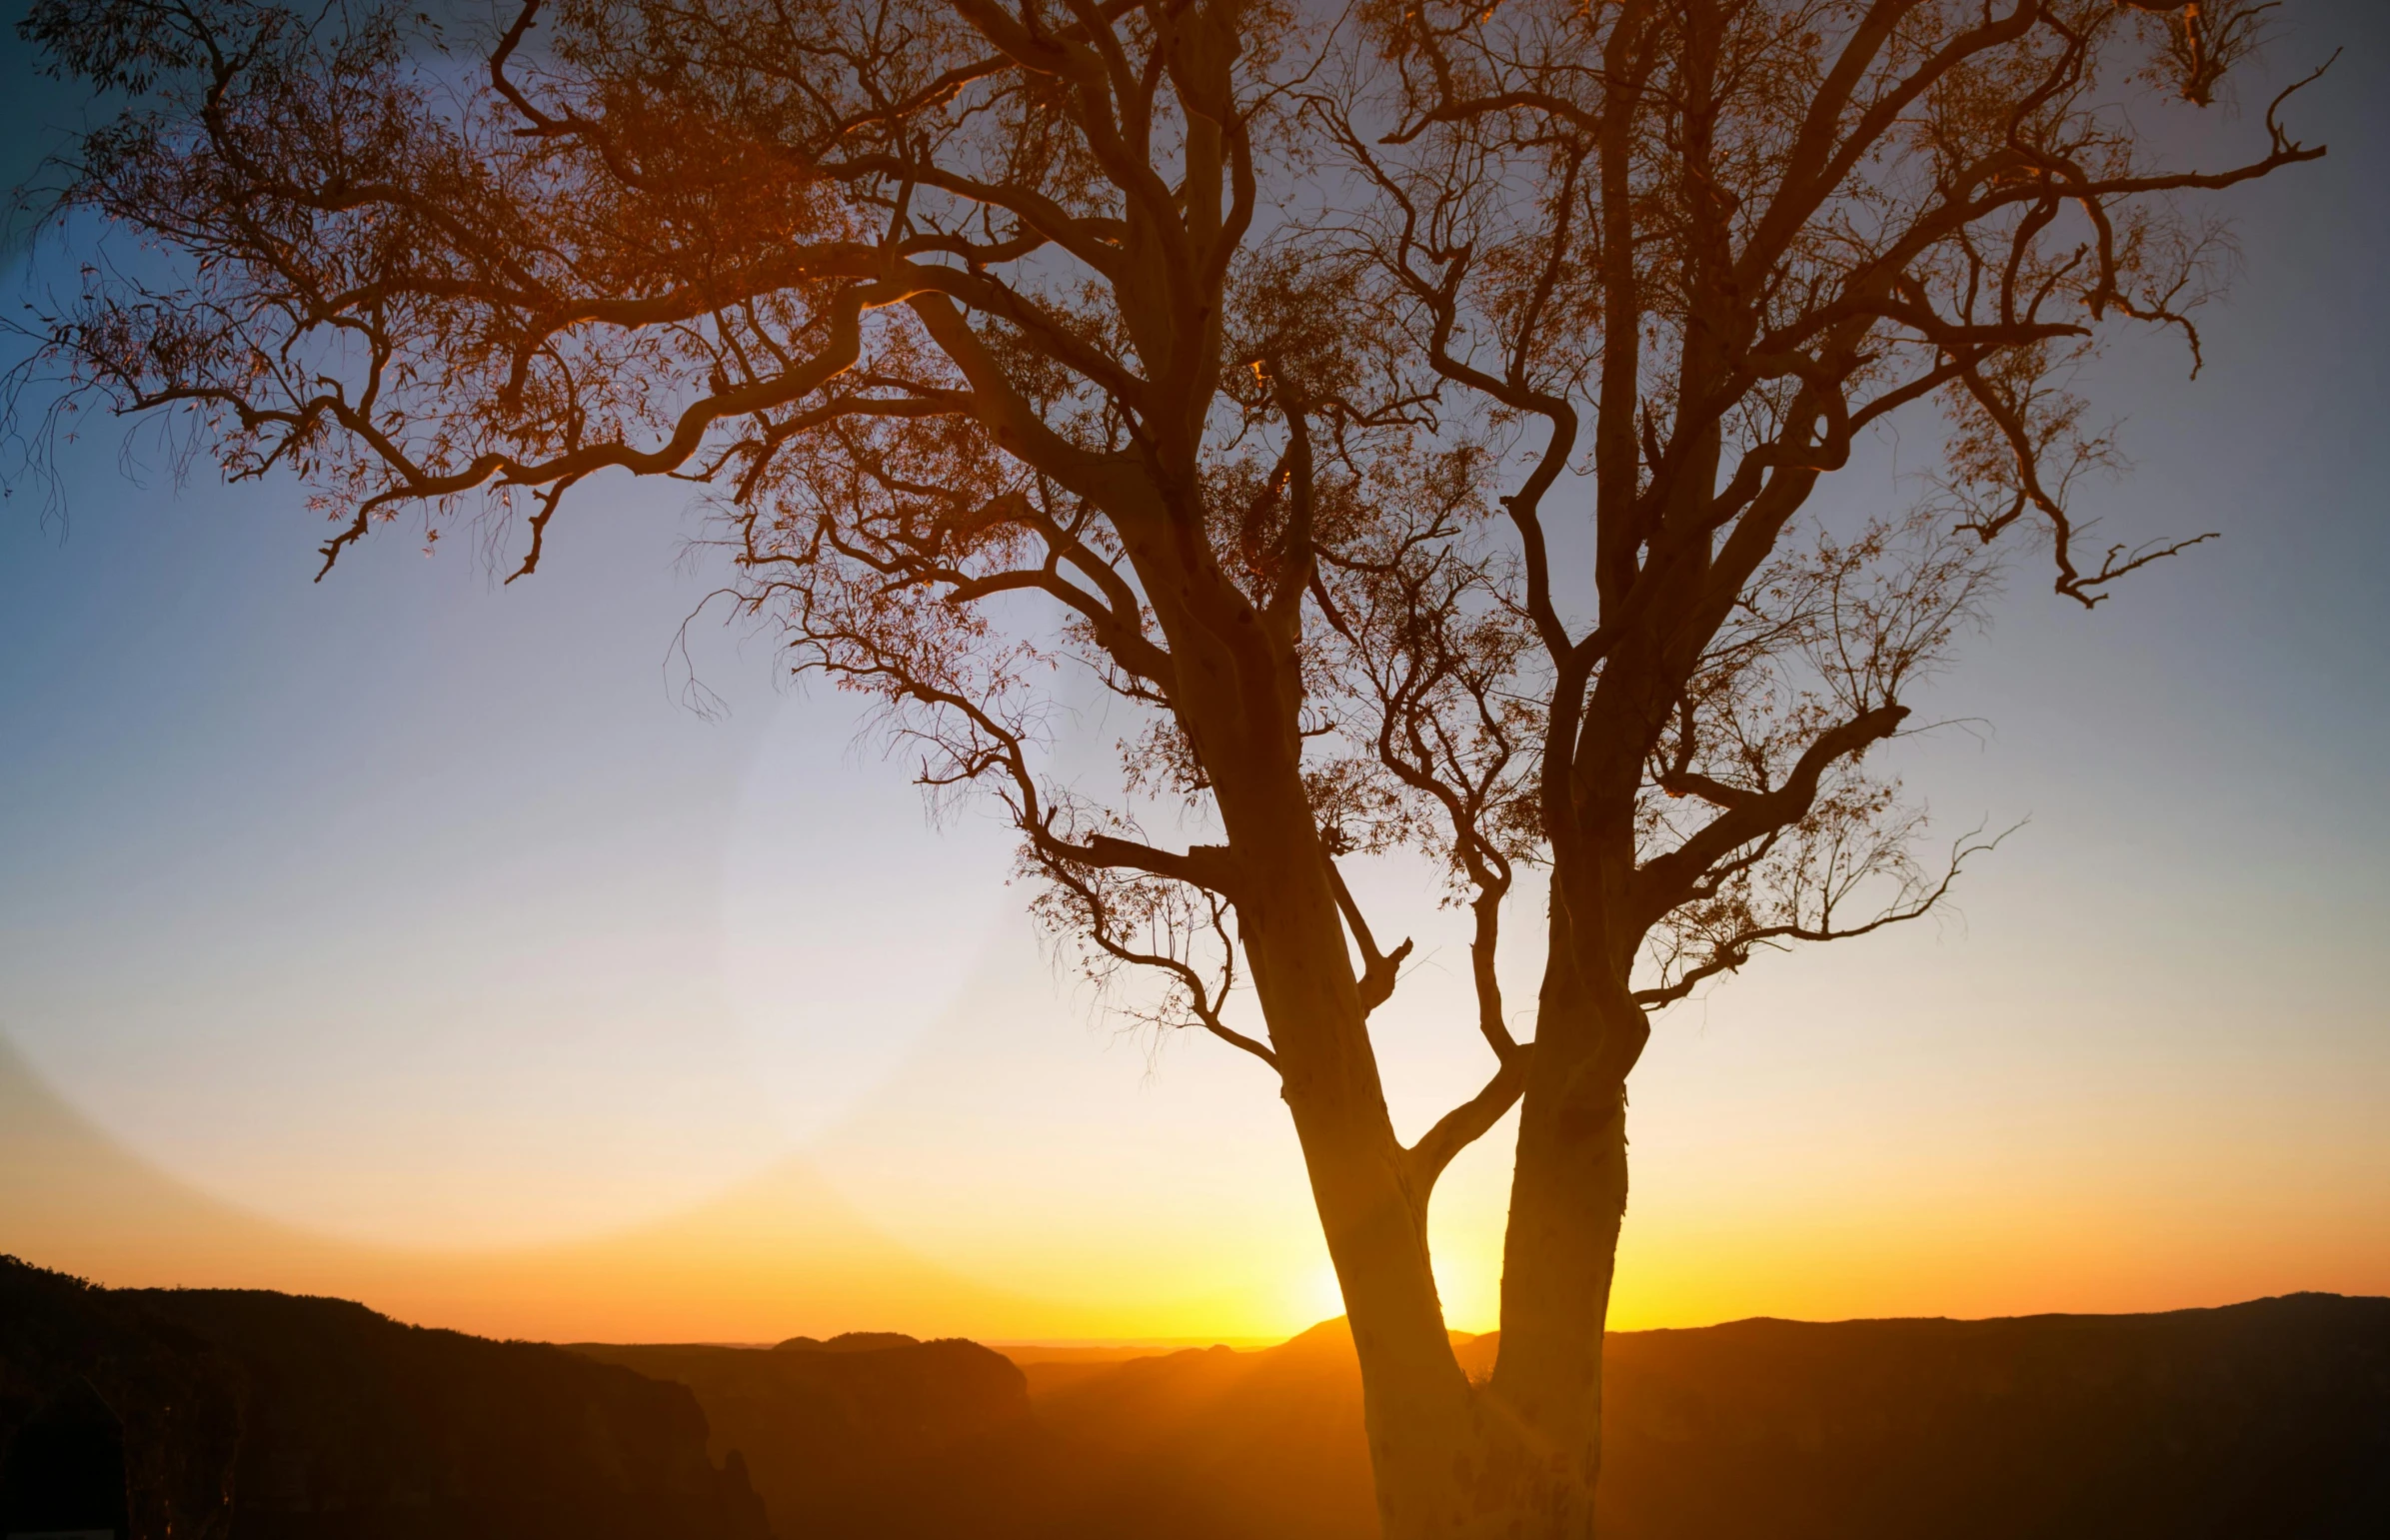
column 274, row 1417
column 847, row 1342
column 938, row 1439
column 2265, row 1419
column 168, row 1428
column 867, row 1434
column 1216, row 1442
column 2269, row 1418
column 306, row 1419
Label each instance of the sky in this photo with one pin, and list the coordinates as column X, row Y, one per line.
column 409, row 936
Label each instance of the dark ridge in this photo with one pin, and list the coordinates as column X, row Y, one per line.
column 2264, row 1419
column 2267, row 1418
column 174, row 1403
column 307, row 1419
column 847, row 1342
column 2270, row 1418
column 276, row 1417
column 869, row 1434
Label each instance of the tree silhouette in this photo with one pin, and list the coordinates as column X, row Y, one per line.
column 1257, row 365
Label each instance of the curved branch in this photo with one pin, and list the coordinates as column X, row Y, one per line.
column 1458, row 1129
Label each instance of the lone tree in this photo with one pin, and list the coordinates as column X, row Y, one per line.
column 1413, row 418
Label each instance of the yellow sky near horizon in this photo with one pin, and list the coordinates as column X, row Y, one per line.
column 1714, row 1235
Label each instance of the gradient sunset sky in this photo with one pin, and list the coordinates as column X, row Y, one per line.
column 411, row 938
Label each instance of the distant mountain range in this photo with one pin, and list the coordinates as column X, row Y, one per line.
column 312, row 1417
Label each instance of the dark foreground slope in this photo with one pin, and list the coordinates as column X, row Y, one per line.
column 273, row 1417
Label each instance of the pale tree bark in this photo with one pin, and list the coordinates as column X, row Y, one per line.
column 1559, row 1252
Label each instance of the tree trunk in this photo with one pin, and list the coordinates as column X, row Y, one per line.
column 1417, row 1407
column 1428, row 1447
column 1449, row 1462
column 1567, row 1199
column 1560, row 1254
column 1416, row 1401
column 1518, row 1459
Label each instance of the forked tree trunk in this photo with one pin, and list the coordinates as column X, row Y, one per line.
column 1520, row 1458
column 1515, row 1460
column 1427, row 1445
